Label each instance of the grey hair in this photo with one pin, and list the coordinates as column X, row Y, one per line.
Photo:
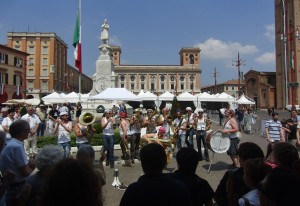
column 48, row 156
column 86, row 152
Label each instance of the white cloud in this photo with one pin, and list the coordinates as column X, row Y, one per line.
column 266, row 58
column 114, row 40
column 270, row 32
column 217, row 49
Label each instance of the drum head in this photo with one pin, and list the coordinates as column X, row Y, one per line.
column 219, row 142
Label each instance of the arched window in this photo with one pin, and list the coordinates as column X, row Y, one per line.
column 191, row 57
column 143, row 78
column 172, row 78
column 122, row 78
column 162, row 78
column 192, row 77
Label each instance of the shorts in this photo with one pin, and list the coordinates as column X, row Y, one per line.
column 233, row 148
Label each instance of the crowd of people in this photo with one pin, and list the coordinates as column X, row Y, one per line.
column 254, row 178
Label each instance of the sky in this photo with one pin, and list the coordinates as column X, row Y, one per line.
column 153, row 32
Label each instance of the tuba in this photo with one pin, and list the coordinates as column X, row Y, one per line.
column 87, row 119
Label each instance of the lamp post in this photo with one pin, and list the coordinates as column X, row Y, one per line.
column 238, row 63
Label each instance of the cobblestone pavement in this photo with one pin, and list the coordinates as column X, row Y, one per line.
column 220, row 163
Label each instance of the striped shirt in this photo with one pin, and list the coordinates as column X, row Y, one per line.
column 274, row 128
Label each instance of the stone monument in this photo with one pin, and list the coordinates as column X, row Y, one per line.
column 105, row 76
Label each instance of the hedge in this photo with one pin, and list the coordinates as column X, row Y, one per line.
column 96, row 140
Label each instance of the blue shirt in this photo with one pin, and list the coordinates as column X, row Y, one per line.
column 274, row 128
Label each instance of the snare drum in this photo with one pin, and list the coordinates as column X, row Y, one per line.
column 217, row 141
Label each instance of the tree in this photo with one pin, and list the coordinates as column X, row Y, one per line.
column 175, row 107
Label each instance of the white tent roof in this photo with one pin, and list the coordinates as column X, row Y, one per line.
column 71, row 97
column 185, row 96
column 245, row 100
column 53, row 98
column 167, row 96
column 118, row 94
column 147, row 96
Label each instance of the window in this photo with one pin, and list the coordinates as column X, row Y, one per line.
column 30, row 72
column 17, row 48
column 122, row 78
column 172, row 78
column 132, row 78
column 142, row 78
column 172, row 86
column 45, row 50
column 226, row 88
column 122, row 85
column 142, row 86
column 192, row 86
column 182, row 86
column 31, row 50
column 30, row 85
column 152, row 86
column 191, row 59
column 132, row 86
column 31, row 62
column 4, row 78
column 17, row 80
column 4, row 58
column 18, row 62
column 44, row 85
column 182, row 78
column 192, row 78
column 232, row 88
column 162, row 86
column 162, row 78
column 45, row 61
column 45, row 72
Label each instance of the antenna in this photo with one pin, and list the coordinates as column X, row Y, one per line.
column 238, row 63
column 215, row 74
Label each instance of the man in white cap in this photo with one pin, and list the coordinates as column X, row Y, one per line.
column 190, row 127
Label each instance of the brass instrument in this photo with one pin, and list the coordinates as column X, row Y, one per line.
column 137, row 119
column 153, row 121
column 87, row 119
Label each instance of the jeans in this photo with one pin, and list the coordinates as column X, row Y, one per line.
column 130, row 139
column 66, row 147
column 181, row 141
column 189, row 138
column 41, row 130
column 200, row 136
column 108, row 143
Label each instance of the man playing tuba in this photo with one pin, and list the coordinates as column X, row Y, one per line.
column 83, row 129
column 150, row 121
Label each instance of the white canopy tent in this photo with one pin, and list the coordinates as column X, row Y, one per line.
column 245, row 100
column 53, row 98
column 167, row 96
column 185, row 96
column 118, row 94
column 147, row 96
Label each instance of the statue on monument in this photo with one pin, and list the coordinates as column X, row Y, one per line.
column 104, row 32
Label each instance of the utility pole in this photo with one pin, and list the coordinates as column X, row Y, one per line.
column 215, row 74
column 238, row 63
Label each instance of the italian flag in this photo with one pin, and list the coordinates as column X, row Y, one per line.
column 77, row 44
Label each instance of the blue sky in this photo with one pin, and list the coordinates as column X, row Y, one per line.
column 153, row 32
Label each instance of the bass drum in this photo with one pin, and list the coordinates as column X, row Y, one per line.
column 218, row 142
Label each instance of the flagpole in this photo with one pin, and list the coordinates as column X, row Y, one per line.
column 79, row 85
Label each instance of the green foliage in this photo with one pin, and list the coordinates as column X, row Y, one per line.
column 175, row 106
column 96, row 141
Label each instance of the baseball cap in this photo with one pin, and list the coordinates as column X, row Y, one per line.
column 200, row 110
column 63, row 113
column 162, row 130
column 188, row 109
column 4, row 109
column 123, row 115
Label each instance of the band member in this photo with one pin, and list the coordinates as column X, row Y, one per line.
column 150, row 122
column 7, row 121
column 136, row 123
column 165, row 121
column 180, row 130
column 63, row 128
column 108, row 124
column 158, row 138
column 53, row 115
column 231, row 128
column 201, row 122
column 190, row 127
column 81, row 134
column 126, row 137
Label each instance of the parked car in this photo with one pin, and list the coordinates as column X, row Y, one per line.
column 289, row 107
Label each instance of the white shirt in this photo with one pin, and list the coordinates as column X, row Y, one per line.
column 176, row 123
column 7, row 122
column 33, row 120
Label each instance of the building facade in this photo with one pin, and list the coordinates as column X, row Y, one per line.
column 287, row 37
column 12, row 73
column 230, row 87
column 47, row 69
column 261, row 87
column 160, row 78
